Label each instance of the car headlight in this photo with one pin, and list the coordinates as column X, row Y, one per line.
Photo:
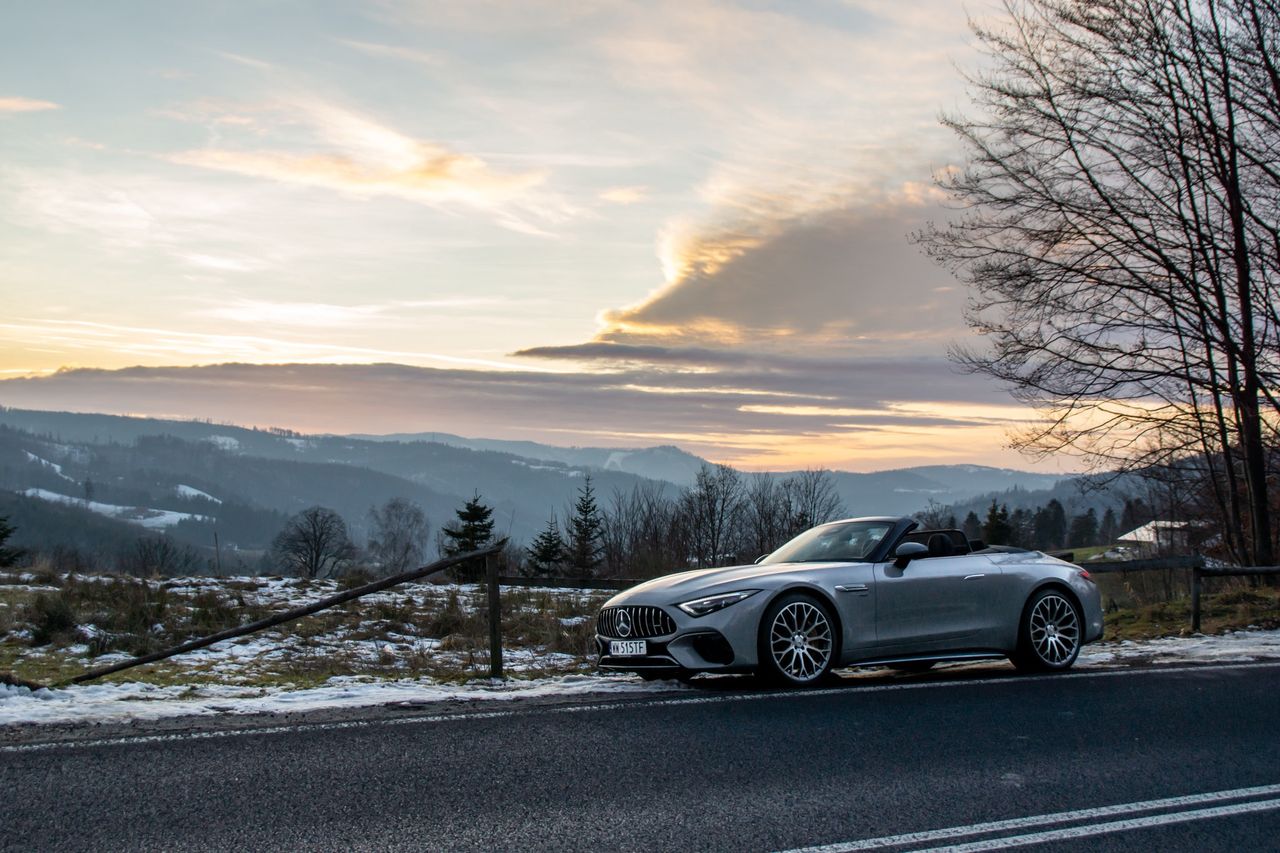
column 712, row 603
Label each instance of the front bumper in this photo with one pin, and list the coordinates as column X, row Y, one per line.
column 698, row 651
column 724, row 641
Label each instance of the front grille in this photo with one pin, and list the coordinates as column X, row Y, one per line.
column 635, row 622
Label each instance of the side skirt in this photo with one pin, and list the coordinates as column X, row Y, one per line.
column 941, row 658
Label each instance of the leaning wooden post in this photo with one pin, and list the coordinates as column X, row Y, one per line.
column 1195, row 595
column 495, row 616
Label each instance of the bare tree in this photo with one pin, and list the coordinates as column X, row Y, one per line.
column 813, row 498
column 398, row 535
column 314, row 543
column 642, row 535
column 158, row 556
column 1121, row 236
column 767, row 514
column 712, row 511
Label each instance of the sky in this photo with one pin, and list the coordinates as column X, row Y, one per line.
column 591, row 223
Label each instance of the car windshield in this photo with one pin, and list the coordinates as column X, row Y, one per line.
column 843, row 541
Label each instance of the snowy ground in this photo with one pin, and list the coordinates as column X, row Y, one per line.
column 140, row 701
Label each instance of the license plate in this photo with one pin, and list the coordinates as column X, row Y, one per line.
column 627, row 648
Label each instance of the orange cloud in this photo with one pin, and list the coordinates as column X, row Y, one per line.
column 437, row 175
column 366, row 158
column 26, row 105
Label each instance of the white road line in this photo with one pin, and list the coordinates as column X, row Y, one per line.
column 1109, row 827
column 1018, row 823
column 591, row 707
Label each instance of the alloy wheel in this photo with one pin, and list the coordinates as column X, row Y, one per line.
column 800, row 640
column 1054, row 629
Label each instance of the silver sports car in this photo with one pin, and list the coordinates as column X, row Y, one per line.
column 859, row 592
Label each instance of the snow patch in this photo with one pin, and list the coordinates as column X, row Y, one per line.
column 184, row 491
column 139, row 701
column 615, row 460
column 152, row 519
column 57, row 469
column 224, row 442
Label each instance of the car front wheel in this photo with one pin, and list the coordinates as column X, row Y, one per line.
column 1050, row 633
column 797, row 641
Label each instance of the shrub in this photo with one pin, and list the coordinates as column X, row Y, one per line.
column 52, row 619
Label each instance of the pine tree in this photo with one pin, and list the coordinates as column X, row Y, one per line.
column 1084, row 530
column 472, row 531
column 972, row 526
column 586, row 529
column 997, row 530
column 1110, row 528
column 8, row 556
column 547, row 553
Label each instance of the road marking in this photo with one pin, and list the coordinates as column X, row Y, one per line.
column 1019, row 823
column 1106, row 828
column 592, row 707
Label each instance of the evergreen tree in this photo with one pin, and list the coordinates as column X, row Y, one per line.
column 1020, row 528
column 8, row 556
column 586, row 529
column 1050, row 526
column 472, row 531
column 997, row 530
column 1084, row 530
column 1110, row 528
column 1135, row 514
column 972, row 526
column 547, row 553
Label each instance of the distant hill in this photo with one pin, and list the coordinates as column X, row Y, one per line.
column 188, row 478
column 908, row 490
column 656, row 463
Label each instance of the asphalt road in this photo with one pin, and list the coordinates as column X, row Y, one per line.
column 1185, row 759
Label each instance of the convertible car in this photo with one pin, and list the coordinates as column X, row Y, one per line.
column 859, row 592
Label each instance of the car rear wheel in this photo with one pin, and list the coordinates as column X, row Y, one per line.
column 1050, row 633
column 798, row 640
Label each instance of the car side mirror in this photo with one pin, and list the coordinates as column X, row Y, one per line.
column 907, row 552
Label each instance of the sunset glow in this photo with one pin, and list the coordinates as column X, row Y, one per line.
column 622, row 223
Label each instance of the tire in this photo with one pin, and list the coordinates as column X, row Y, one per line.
column 1050, row 633
column 799, row 641
column 913, row 666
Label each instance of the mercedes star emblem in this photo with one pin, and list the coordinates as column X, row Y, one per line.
column 624, row 623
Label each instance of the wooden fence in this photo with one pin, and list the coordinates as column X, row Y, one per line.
column 1194, row 562
column 493, row 581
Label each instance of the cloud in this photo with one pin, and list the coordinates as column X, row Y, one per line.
column 321, row 315
column 365, row 158
column 758, row 416
column 272, row 341
column 625, row 195
column 26, row 105
column 390, row 51
column 845, row 277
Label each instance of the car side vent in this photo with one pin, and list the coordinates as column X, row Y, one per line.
column 634, row 622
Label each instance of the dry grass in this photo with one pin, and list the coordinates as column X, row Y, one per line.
column 56, row 631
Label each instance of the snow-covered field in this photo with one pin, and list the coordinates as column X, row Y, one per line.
column 121, row 702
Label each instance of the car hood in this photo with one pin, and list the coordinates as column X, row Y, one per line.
column 684, row 585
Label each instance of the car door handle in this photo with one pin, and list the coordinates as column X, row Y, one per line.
column 974, row 577
column 859, row 588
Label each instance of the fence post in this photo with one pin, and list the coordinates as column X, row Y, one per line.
column 1195, row 595
column 495, row 617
